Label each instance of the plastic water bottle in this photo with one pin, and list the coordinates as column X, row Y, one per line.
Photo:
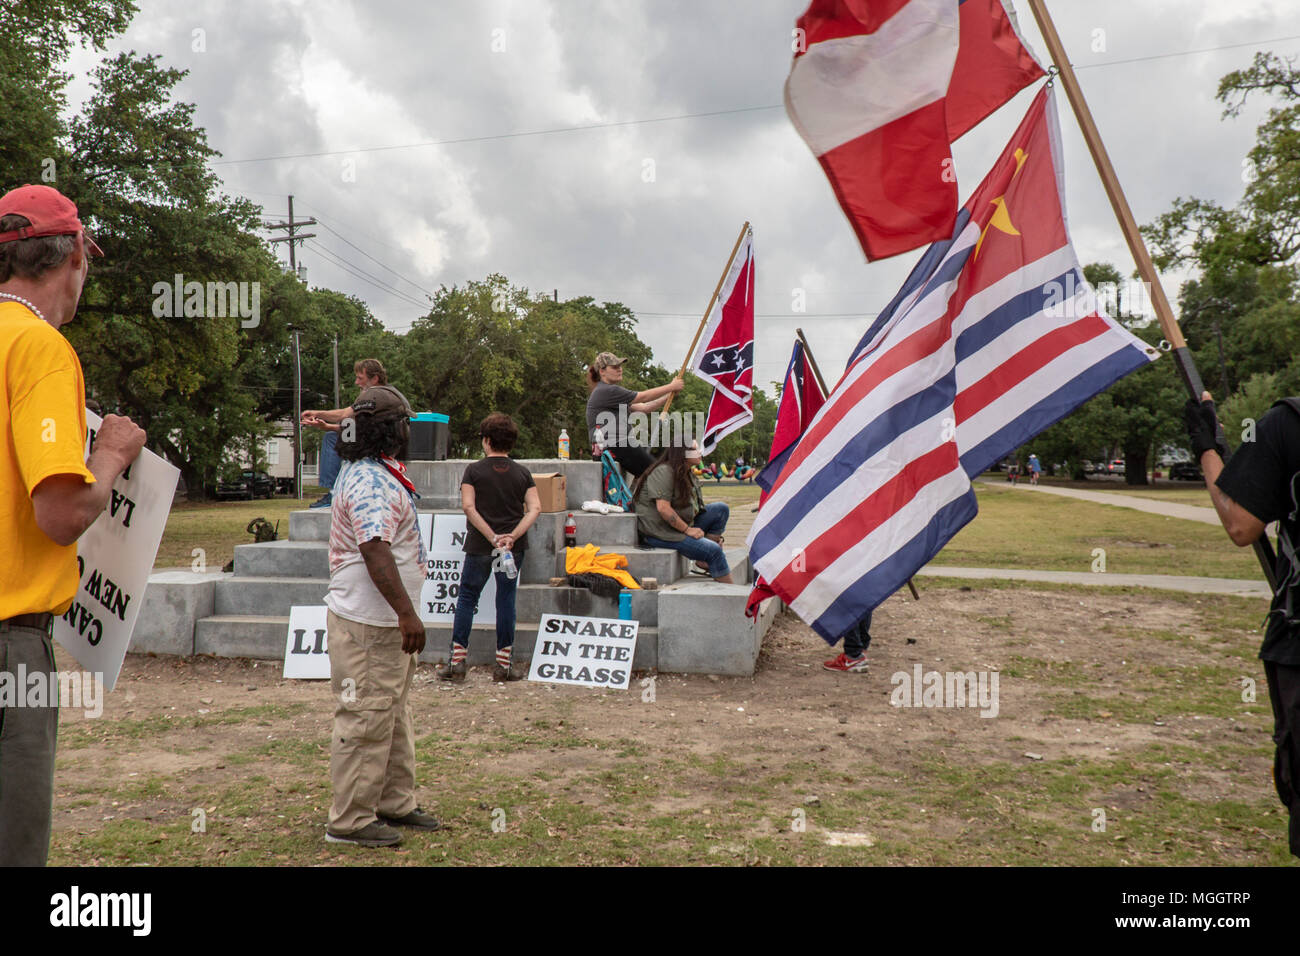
column 625, row 605
column 564, row 443
column 506, row 562
column 597, row 443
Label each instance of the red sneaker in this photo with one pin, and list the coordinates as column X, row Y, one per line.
column 847, row 664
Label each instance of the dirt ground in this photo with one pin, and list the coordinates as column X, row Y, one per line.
column 1127, row 702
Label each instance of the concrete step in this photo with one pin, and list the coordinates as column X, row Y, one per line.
column 283, row 559
column 262, row 596
column 310, row 559
column 438, row 482
column 273, row 597
column 534, row 600
column 264, row 638
column 606, row 530
column 659, row 563
column 703, row 629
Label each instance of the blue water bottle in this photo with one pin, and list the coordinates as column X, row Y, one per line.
column 625, row 605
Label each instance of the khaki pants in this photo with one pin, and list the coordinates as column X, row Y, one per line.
column 372, row 751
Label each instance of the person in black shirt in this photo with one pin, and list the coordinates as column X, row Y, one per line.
column 1260, row 484
column 609, row 405
column 501, row 503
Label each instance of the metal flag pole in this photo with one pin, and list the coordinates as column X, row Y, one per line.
column 821, row 383
column 744, row 230
column 1146, row 269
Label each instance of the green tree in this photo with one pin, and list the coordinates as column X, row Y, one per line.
column 1241, row 312
column 138, row 171
column 35, row 39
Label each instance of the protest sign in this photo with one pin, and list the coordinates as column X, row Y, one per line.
column 588, row 651
column 444, row 537
column 306, row 649
column 114, row 558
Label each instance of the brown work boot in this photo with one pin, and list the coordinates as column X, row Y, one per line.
column 513, row 672
column 453, row 672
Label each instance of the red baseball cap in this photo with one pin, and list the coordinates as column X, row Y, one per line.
column 50, row 212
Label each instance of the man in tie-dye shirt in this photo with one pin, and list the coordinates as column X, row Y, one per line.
column 377, row 559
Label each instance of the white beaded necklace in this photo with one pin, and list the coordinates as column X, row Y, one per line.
column 19, row 299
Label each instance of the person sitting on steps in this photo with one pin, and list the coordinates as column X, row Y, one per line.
column 671, row 512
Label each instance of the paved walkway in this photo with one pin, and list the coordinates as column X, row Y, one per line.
column 1165, row 582
column 1205, row 515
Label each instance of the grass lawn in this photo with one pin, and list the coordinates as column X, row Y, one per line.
column 1050, row 533
column 1012, row 530
column 217, row 526
column 1116, row 706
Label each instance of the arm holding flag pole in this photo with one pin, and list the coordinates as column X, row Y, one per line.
column 690, row 353
column 1164, row 313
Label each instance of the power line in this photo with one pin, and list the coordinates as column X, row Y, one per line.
column 669, row 119
column 496, row 136
column 358, row 273
column 334, row 217
column 1165, row 56
column 344, row 240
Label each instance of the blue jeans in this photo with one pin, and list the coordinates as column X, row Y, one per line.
column 712, row 520
column 472, row 580
column 329, row 460
column 858, row 638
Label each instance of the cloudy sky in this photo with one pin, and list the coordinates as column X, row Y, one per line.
column 613, row 149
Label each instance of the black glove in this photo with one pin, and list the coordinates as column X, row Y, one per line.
column 1204, row 430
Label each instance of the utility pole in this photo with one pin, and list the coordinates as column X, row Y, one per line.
column 297, row 416
column 293, row 238
column 336, row 370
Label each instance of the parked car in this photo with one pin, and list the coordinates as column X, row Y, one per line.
column 1115, row 466
column 1185, row 471
column 249, row 485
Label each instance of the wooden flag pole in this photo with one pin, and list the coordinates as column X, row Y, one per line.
column 1118, row 202
column 1168, row 324
column 709, row 308
column 817, row 374
column 812, row 362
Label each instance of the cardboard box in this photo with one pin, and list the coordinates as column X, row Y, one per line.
column 553, row 491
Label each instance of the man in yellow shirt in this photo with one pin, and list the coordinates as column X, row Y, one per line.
column 49, row 493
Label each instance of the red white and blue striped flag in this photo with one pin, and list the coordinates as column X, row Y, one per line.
column 994, row 337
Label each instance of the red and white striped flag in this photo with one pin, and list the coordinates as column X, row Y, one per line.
column 881, row 90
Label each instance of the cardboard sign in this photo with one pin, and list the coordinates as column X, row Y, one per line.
column 588, row 651
column 445, row 538
column 114, row 558
column 306, row 649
